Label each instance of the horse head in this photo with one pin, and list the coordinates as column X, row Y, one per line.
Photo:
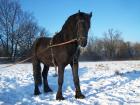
column 82, row 26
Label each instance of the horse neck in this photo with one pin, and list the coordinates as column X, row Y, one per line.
column 63, row 37
column 58, row 38
column 69, row 33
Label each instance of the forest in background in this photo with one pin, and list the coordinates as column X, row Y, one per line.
column 111, row 47
column 19, row 29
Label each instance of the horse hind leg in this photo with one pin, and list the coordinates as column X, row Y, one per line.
column 37, row 76
column 45, row 80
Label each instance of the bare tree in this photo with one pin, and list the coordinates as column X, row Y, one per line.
column 17, row 28
column 136, row 50
column 9, row 15
column 94, row 49
column 111, row 41
column 43, row 32
column 9, row 11
column 124, row 50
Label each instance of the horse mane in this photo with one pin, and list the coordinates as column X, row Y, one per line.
column 65, row 31
column 72, row 20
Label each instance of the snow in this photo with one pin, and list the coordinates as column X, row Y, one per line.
column 103, row 83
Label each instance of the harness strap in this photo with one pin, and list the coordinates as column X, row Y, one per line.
column 53, row 61
column 64, row 43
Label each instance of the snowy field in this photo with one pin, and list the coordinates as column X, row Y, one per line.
column 103, row 83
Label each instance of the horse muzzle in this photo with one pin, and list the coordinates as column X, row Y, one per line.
column 82, row 41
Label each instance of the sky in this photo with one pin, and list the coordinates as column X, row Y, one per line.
column 121, row 15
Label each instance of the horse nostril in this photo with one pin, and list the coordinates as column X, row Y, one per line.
column 83, row 41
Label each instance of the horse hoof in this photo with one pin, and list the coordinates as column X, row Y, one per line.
column 60, row 98
column 37, row 93
column 79, row 96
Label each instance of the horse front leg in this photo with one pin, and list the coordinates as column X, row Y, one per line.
column 78, row 93
column 59, row 95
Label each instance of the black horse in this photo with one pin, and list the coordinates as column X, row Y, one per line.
column 61, row 50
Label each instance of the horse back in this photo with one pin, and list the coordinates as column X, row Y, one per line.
column 40, row 45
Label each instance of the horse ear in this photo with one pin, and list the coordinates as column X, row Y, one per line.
column 78, row 14
column 90, row 14
column 79, row 11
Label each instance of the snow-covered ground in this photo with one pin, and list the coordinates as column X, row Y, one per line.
column 103, row 83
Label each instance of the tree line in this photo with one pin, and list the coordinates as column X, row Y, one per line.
column 110, row 47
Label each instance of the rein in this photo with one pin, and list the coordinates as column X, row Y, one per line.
column 64, row 43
